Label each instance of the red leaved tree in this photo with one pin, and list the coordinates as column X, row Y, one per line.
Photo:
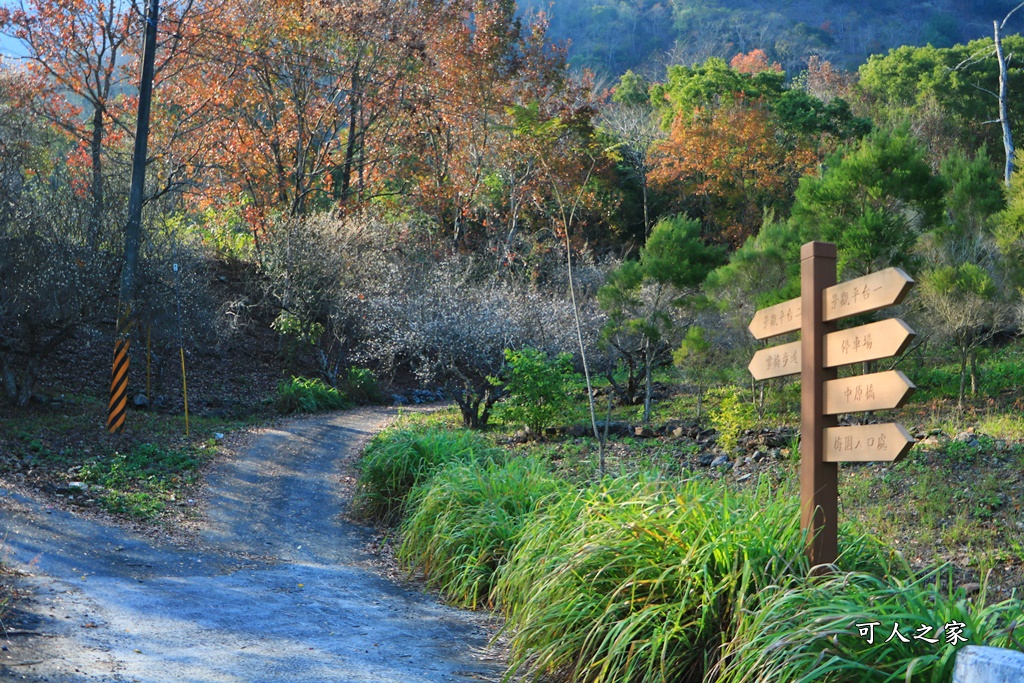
column 727, row 166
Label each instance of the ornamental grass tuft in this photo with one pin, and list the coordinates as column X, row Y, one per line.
column 813, row 631
column 399, row 458
column 640, row 579
column 466, row 520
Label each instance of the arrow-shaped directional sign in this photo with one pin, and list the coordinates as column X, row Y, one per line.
column 883, row 339
column 885, row 442
column 777, row 361
column 877, row 391
column 865, row 294
column 855, row 345
column 776, row 320
column 862, row 295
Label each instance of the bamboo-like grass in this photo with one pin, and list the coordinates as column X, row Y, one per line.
column 808, row 632
column 399, row 458
column 466, row 520
column 640, row 579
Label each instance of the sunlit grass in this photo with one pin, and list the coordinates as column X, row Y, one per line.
column 399, row 458
column 641, row 579
column 466, row 521
column 808, row 631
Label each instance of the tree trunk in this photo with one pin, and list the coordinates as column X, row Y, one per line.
column 648, row 390
column 647, row 218
column 963, row 379
column 974, row 372
column 28, row 382
column 95, row 149
column 1004, row 118
column 9, row 380
column 475, row 409
column 350, row 144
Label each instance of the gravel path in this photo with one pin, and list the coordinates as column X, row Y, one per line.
column 275, row 587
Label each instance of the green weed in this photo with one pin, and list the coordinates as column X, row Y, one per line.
column 300, row 394
column 1003, row 426
column 466, row 520
column 398, row 459
column 136, row 482
column 639, row 579
column 138, row 504
column 537, row 388
column 731, row 418
column 809, row 631
column 361, row 386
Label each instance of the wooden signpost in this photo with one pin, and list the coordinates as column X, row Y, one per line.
column 822, row 349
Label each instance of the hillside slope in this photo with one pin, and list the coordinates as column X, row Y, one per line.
column 610, row 36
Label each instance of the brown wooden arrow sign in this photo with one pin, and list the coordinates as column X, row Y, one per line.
column 877, row 391
column 883, row 339
column 776, row 320
column 862, row 295
column 865, row 294
column 865, row 443
column 776, row 361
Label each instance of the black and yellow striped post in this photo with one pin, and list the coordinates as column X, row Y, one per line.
column 119, row 376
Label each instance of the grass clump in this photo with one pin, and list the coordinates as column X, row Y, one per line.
column 137, row 482
column 810, row 632
column 640, row 579
column 361, row 385
column 466, row 521
column 398, row 459
column 306, row 395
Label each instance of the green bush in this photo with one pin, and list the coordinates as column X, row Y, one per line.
column 731, row 418
column 361, row 386
column 466, row 520
column 641, row 580
column 398, row 459
column 809, row 632
column 538, row 388
column 304, row 395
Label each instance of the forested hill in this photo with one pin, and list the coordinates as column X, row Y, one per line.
column 611, row 36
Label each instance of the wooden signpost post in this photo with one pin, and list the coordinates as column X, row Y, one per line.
column 822, row 349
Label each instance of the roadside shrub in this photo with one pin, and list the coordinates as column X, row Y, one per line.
column 398, row 459
column 730, row 419
column 466, row 521
column 638, row 579
column 360, row 385
column 537, row 387
column 305, row 395
column 809, row 632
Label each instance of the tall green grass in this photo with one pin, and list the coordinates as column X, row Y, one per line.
column 466, row 521
column 641, row 579
column 398, row 459
column 305, row 395
column 809, row 632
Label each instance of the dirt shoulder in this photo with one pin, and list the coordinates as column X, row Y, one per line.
column 273, row 585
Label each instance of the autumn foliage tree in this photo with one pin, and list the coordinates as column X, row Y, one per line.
column 286, row 93
column 754, row 62
column 728, row 166
column 75, row 52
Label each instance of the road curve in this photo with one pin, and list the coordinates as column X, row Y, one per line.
column 276, row 587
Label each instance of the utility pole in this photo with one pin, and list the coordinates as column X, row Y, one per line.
column 133, row 231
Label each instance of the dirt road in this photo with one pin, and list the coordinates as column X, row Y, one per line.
column 276, row 587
